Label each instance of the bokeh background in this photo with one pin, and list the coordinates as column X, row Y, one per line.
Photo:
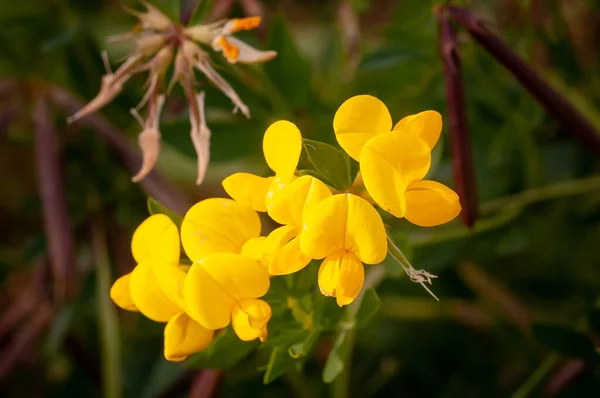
column 518, row 314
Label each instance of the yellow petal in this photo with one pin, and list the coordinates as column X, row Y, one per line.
column 206, row 301
column 365, row 232
column 171, row 279
column 427, row 125
column 289, row 203
column 250, row 319
column 344, row 222
column 288, row 259
column 350, row 280
column 282, row 145
column 256, row 248
column 217, row 225
column 147, row 295
column 239, row 276
column 144, row 243
column 120, row 295
column 164, row 260
column 341, row 275
column 389, row 163
column 248, row 189
column 184, row 337
column 215, row 284
column 429, row 203
column 329, row 273
column 357, row 120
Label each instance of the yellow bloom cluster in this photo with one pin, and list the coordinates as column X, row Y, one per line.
column 232, row 263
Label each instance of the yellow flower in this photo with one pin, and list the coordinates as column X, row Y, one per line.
column 154, row 288
column 393, row 162
column 289, row 207
column 223, row 285
column 346, row 231
column 282, row 145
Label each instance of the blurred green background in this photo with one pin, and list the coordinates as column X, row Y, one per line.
column 519, row 292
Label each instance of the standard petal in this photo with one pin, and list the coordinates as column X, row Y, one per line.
column 156, row 228
column 238, row 276
column 217, row 225
column 250, row 319
column 248, row 189
column 288, row 204
column 184, row 337
column 148, row 296
column 365, row 232
column 282, row 145
column 288, row 259
column 120, row 293
column 389, row 163
column 357, row 120
column 206, row 301
column 350, row 280
column 427, row 125
column 429, row 203
column 329, row 273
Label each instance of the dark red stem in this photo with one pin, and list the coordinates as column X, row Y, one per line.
column 57, row 224
column 462, row 154
column 556, row 105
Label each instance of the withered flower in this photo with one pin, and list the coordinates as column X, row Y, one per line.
column 159, row 42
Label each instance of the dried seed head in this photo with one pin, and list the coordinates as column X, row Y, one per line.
column 149, row 142
column 236, row 50
column 149, row 44
column 152, row 18
column 200, row 135
column 201, row 33
column 182, row 71
column 149, row 139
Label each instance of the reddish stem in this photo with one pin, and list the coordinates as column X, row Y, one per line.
column 462, row 154
column 57, row 224
column 556, row 105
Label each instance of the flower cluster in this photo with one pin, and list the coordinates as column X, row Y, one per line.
column 160, row 42
column 232, row 263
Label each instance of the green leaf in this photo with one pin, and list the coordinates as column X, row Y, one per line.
column 327, row 313
column 565, row 341
column 288, row 71
column 155, row 207
column 223, row 352
column 368, row 307
column 279, row 363
column 303, row 348
column 329, row 164
column 335, row 362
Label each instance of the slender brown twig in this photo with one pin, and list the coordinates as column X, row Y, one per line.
column 462, row 154
column 154, row 184
column 57, row 224
column 556, row 104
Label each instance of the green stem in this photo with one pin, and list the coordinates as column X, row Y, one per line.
column 536, row 377
column 107, row 319
column 341, row 385
column 568, row 188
